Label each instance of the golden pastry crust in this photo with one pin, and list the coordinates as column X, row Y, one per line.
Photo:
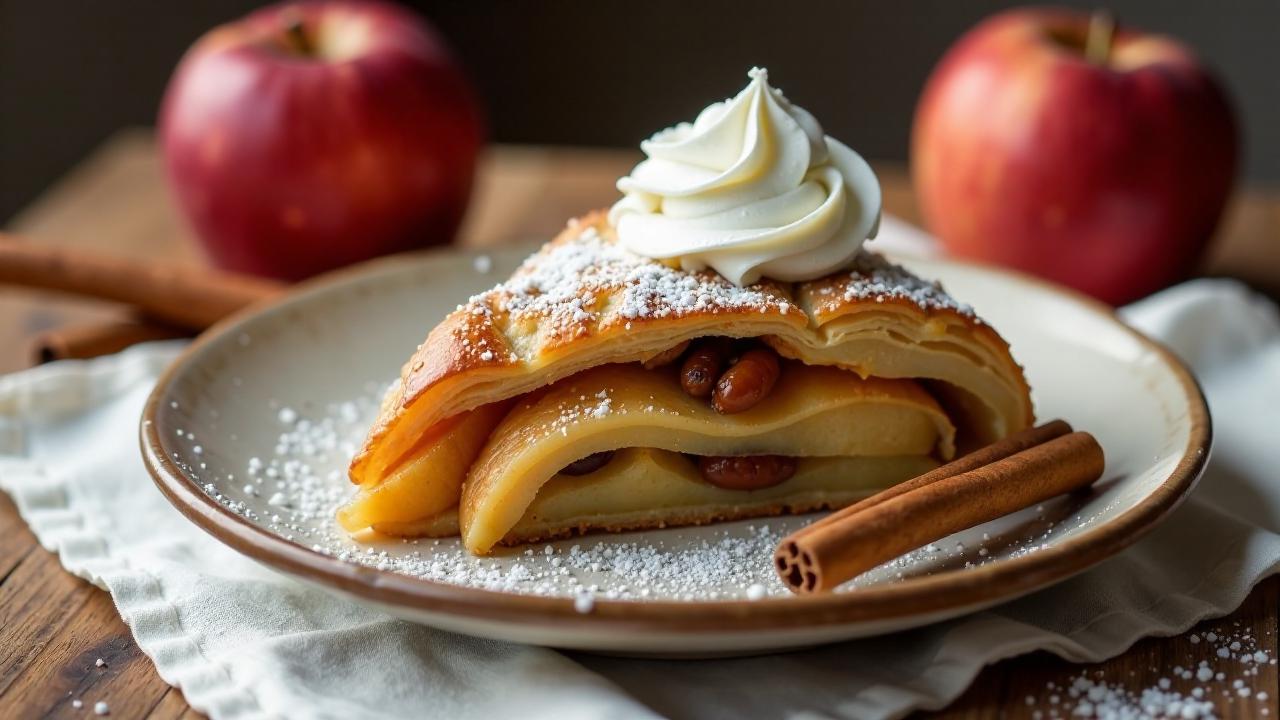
column 874, row 285
column 583, row 301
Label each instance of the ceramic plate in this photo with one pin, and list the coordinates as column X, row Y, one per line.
column 249, row 433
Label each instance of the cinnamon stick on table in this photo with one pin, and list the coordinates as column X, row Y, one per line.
column 78, row 342
column 1014, row 473
column 187, row 297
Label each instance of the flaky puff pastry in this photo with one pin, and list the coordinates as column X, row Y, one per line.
column 582, row 302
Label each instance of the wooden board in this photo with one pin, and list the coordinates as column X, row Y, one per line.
column 53, row 627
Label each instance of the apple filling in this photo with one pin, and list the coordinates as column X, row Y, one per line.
column 815, row 420
column 628, row 445
column 734, row 375
column 644, row 487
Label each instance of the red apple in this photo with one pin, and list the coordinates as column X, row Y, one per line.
column 310, row 135
column 1107, row 172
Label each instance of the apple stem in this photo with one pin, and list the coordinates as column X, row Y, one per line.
column 1097, row 43
column 296, row 36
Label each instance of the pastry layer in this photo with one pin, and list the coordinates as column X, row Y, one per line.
column 582, row 301
column 648, row 488
column 429, row 481
column 813, row 411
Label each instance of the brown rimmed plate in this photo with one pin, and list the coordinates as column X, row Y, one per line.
column 248, row 432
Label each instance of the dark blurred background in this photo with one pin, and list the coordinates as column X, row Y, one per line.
column 595, row 73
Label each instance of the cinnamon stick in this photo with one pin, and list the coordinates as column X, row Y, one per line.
column 187, row 297
column 1002, row 448
column 1017, row 472
column 78, row 342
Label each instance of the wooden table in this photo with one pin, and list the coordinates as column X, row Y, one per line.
column 54, row 626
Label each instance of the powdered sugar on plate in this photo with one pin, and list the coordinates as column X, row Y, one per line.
column 295, row 490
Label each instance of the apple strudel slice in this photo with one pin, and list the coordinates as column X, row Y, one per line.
column 600, row 390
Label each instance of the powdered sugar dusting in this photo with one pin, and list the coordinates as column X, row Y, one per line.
column 586, row 284
column 873, row 278
column 1196, row 690
column 295, row 485
column 1087, row 697
column 304, row 482
column 572, row 285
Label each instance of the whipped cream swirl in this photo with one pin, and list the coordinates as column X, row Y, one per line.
column 752, row 188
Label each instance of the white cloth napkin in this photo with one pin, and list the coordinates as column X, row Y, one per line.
column 244, row 642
